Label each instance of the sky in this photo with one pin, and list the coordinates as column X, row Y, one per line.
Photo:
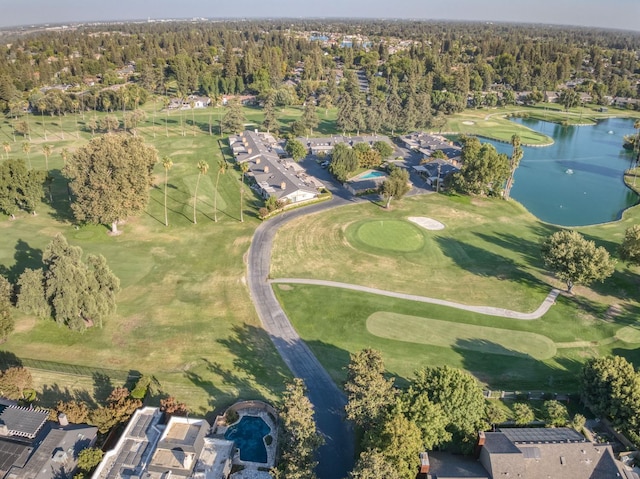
column 620, row 14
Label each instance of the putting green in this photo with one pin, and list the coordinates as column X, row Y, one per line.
column 391, row 235
column 414, row 329
column 628, row 334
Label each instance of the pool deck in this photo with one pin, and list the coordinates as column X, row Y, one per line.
column 365, row 175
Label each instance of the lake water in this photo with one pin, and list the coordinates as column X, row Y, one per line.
column 579, row 179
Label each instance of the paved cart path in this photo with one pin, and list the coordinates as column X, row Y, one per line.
column 489, row 310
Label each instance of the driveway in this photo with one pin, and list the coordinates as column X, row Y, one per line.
column 335, row 458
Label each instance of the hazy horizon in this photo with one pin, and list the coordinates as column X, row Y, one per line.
column 614, row 14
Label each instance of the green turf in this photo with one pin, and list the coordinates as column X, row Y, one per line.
column 184, row 313
column 386, row 235
column 483, row 339
column 334, row 329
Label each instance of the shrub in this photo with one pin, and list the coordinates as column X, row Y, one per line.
column 268, row 440
column 231, row 416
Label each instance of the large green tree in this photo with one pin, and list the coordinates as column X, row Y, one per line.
column 369, row 392
column 295, row 149
column 344, row 161
column 80, row 294
column 484, row 170
column 299, row 438
column 31, row 294
column 20, row 188
column 396, row 185
column 373, row 464
column 630, row 248
column 461, row 399
column 110, row 179
column 575, row 259
column 400, row 441
column 611, row 389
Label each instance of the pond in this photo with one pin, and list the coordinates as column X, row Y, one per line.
column 579, row 179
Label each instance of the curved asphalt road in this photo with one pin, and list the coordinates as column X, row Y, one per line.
column 335, row 458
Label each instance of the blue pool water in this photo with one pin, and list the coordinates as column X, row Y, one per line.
column 371, row 174
column 248, row 435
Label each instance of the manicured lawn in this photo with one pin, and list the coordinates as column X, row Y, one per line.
column 387, row 235
column 184, row 313
column 505, row 359
column 488, row 254
column 493, row 122
column 484, row 339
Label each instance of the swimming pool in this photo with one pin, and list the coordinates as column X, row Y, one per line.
column 248, row 434
column 371, row 174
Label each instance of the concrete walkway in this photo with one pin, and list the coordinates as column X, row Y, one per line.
column 488, row 310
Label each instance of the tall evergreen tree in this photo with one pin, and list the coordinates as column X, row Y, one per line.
column 270, row 122
column 299, row 437
column 369, row 393
column 233, row 120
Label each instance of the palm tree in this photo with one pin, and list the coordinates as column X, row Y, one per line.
column 244, row 167
column 7, row 147
column 222, row 168
column 203, row 167
column 192, row 104
column 166, row 102
column 42, row 106
column 47, row 149
column 64, row 153
column 636, row 149
column 516, row 156
column 167, row 164
column 75, row 104
column 26, row 148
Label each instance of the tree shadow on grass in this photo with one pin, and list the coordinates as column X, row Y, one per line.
column 61, row 205
column 502, row 368
column 9, row 360
column 529, row 250
column 482, row 262
column 52, row 393
column 102, row 387
column 25, row 257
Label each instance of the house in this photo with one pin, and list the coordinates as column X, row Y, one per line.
column 31, row 447
column 198, row 101
column 428, row 144
column 324, row 145
column 273, row 175
column 243, row 99
column 149, row 449
column 435, row 169
column 532, row 453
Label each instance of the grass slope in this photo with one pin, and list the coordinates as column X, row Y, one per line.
column 184, row 313
column 488, row 254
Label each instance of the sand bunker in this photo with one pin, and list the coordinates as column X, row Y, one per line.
column 468, row 122
column 426, row 223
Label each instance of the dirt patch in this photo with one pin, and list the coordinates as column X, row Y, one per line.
column 467, row 122
column 285, row 287
column 426, row 223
